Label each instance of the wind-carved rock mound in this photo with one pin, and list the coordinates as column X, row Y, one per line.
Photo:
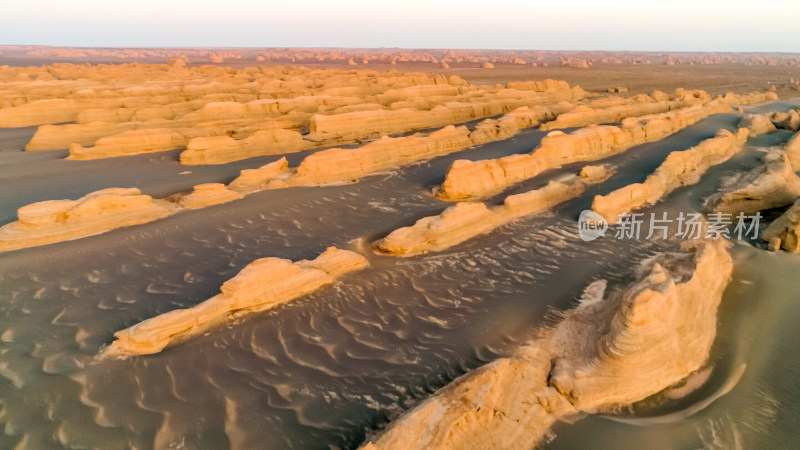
column 131, row 142
column 681, row 168
column 605, row 111
column 360, row 123
column 225, row 149
column 339, row 164
column 475, row 179
column 261, row 285
column 251, row 180
column 344, row 165
column 610, row 351
column 771, row 185
column 784, row 232
column 792, row 148
column 39, row 113
column 468, row 180
column 62, row 220
column 208, row 194
column 757, row 124
column 786, row 121
column 464, row 221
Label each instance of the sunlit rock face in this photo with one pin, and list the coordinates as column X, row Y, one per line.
column 466, row 220
column 770, row 185
column 263, row 284
column 681, row 168
column 475, row 179
column 612, row 350
column 60, row 220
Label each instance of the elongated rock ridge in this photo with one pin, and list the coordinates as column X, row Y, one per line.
column 681, row 168
column 338, row 165
column 615, row 109
column 225, row 149
column 261, row 285
column 466, row 220
column 610, row 351
column 468, row 180
column 62, row 220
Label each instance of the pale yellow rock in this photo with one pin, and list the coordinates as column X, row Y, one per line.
column 435, row 233
column 208, row 194
column 364, row 123
column 757, row 124
column 792, row 148
column 465, row 220
column 787, row 121
column 784, row 232
column 338, row 164
column 261, row 285
column 39, row 113
column 771, row 185
column 250, row 180
column 467, row 180
column 583, row 116
column 53, row 137
column 224, row 149
column 62, row 220
column 681, row 168
column 610, row 351
column 131, row 142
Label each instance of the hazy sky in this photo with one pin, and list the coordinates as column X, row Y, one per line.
column 702, row 25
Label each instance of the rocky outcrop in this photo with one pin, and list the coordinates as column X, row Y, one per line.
column 251, row 180
column 131, row 142
column 52, row 137
column 793, row 151
column 208, row 194
column 61, row 220
column 384, row 122
column 39, row 113
column 639, row 105
column 338, row 164
column 757, row 124
column 261, row 285
column 610, row 351
column 786, row 121
column 464, row 221
column 771, row 185
column 476, row 179
column 224, row 149
column 784, row 232
column 680, row 168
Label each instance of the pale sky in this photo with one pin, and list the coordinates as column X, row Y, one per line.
column 679, row 25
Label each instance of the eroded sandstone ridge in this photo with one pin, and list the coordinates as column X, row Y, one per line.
column 338, row 165
column 610, row 351
column 466, row 220
column 221, row 114
column 680, row 168
column 62, row 220
column 476, row 179
column 771, row 185
column 262, row 284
